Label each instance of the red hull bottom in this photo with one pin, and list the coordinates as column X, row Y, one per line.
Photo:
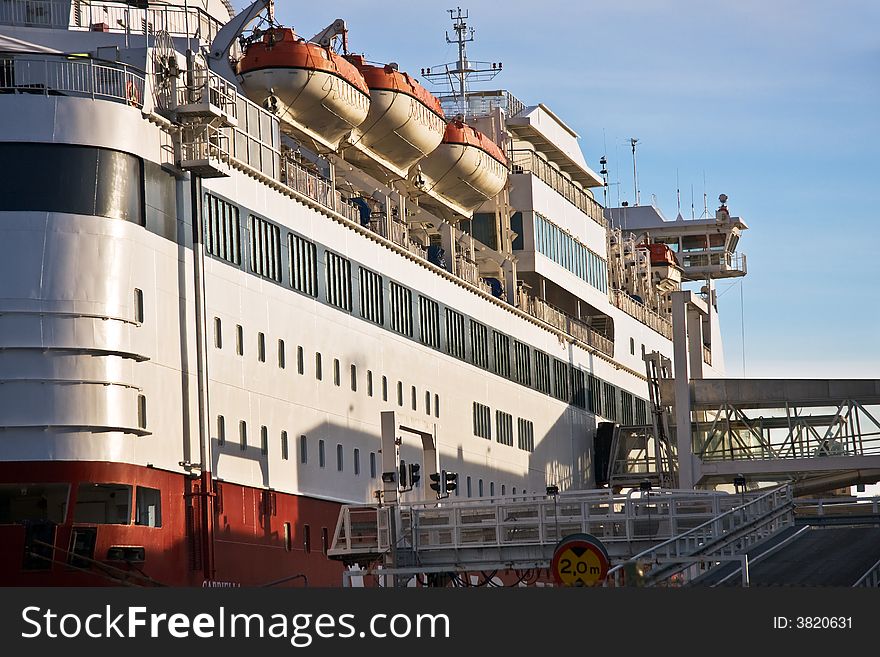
column 259, row 537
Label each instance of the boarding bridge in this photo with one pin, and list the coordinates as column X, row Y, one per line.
column 518, row 533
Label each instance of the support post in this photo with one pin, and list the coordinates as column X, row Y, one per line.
column 682, row 390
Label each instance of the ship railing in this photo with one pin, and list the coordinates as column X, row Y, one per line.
column 525, row 161
column 551, row 315
column 117, row 17
column 466, row 269
column 728, row 534
column 482, row 103
column 641, row 312
column 721, row 260
column 307, row 183
column 205, row 149
column 207, row 88
column 871, row 579
column 35, row 13
column 60, row 75
column 707, row 355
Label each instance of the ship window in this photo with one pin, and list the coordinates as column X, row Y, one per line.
column 401, row 309
column 542, row 372
column 609, row 401
column 303, row 450
column 242, row 434
column 218, row 333
column 142, row 412
column 322, row 457
column 265, row 248
column 501, row 348
column 373, row 465
column 307, row 539
column 222, row 229
column 336, row 376
column 595, row 397
column 482, row 421
column 578, row 387
column 414, row 401
column 264, row 440
column 427, row 402
column 338, row 281
column 504, row 426
column 282, row 356
column 371, row 296
column 239, row 339
column 641, row 411
column 491, row 489
column 139, row 306
column 516, row 225
column 479, row 488
column 221, row 431
column 261, row 347
column 560, row 383
column 303, row 256
column 318, row 373
column 626, row 408
column 522, row 358
column 284, row 449
column 354, row 378
column 436, row 405
column 468, row 486
column 339, row 458
column 369, row 383
column 525, row 436
column 300, row 360
column 19, row 502
column 384, row 388
column 356, row 462
column 479, row 345
column 148, row 509
column 455, row 343
column 429, row 322
column 503, row 490
column 103, row 504
column 400, row 393
column 632, row 346
column 325, row 540
column 287, row 537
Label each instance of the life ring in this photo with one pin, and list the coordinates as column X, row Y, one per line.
column 131, row 93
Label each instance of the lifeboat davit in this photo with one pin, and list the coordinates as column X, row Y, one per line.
column 314, row 91
column 405, row 122
column 466, row 169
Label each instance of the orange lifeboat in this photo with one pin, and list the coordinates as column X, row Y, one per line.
column 314, row 91
column 466, row 169
column 405, row 121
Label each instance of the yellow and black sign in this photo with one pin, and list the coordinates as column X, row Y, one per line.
column 579, row 560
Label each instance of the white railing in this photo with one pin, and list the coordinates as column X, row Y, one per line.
column 52, row 75
column 641, row 312
column 177, row 21
column 206, row 87
column 870, row 579
column 35, row 13
column 554, row 317
column 728, row 534
column 516, row 521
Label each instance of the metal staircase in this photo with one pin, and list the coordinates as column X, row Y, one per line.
column 726, row 537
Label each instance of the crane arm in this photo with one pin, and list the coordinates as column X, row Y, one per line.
column 218, row 57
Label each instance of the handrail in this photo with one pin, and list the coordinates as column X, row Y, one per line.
column 870, row 579
column 61, row 75
column 698, row 531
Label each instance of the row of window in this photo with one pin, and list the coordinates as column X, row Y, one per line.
column 566, row 250
column 448, row 331
column 503, row 427
column 431, row 405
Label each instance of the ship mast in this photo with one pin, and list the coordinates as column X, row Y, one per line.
column 458, row 74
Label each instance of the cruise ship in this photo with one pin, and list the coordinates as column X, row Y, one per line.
column 227, row 248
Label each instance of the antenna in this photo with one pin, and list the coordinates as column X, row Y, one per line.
column 678, row 191
column 604, row 173
column 635, row 141
column 458, row 75
column 693, row 212
column 705, row 198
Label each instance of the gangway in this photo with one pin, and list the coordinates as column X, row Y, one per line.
column 724, row 538
column 519, row 532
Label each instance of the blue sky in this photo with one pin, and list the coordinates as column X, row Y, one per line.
column 776, row 102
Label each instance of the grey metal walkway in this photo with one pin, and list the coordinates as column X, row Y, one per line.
column 824, row 429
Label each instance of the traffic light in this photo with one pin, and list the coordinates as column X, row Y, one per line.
column 451, row 481
column 402, row 480
column 438, row 483
column 414, row 476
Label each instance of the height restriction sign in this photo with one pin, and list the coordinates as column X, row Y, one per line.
column 579, row 560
